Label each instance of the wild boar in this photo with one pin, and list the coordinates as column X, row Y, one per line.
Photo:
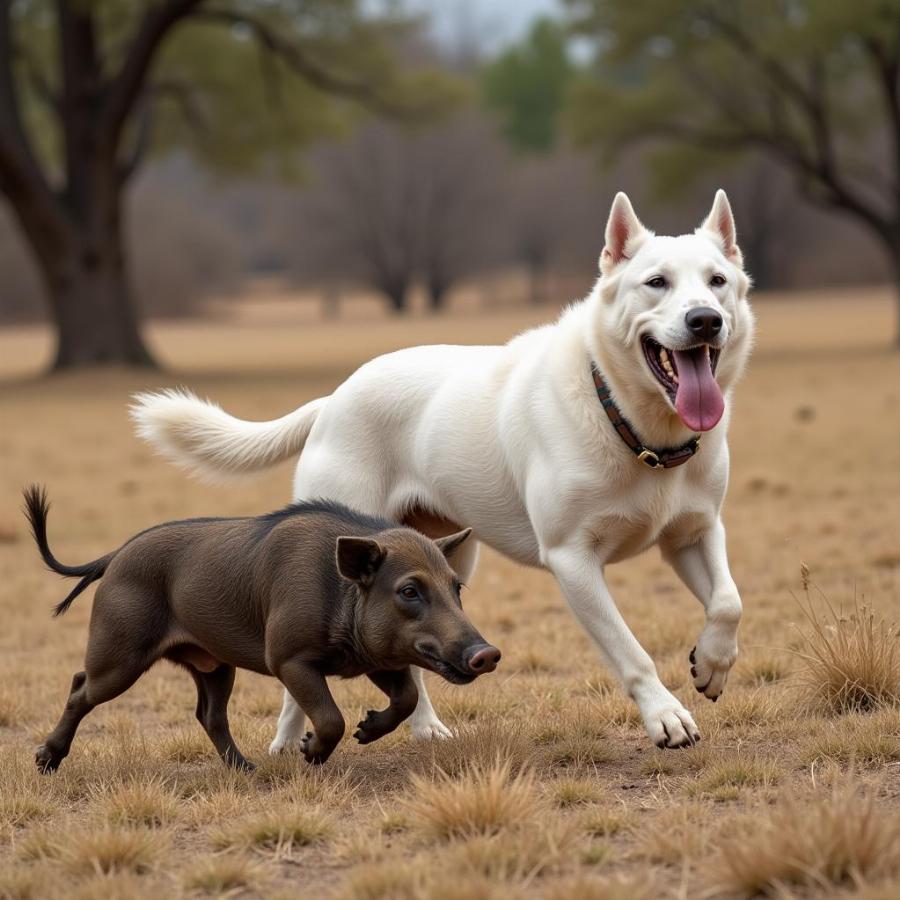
column 312, row 590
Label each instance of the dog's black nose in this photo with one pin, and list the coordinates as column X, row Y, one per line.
column 706, row 323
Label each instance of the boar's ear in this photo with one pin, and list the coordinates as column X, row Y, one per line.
column 450, row 544
column 358, row 558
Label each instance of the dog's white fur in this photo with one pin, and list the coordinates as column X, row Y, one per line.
column 513, row 441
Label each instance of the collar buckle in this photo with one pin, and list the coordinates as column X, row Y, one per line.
column 649, row 459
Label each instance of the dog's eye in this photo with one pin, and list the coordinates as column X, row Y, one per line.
column 717, row 280
column 410, row 593
column 657, row 282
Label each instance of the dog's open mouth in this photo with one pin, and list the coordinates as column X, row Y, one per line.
column 688, row 378
column 447, row 670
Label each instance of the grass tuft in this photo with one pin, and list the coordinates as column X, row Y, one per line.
column 221, row 875
column 849, row 663
column 140, row 802
column 568, row 792
column 841, row 840
column 282, row 830
column 481, row 801
column 106, row 851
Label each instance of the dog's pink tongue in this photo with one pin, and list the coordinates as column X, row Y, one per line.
column 698, row 400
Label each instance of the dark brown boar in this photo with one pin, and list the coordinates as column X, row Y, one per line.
column 312, row 590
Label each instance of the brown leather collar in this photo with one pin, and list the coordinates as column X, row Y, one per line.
column 654, row 459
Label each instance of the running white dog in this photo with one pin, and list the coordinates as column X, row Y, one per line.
column 573, row 446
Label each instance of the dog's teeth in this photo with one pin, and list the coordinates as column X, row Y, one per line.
column 664, row 356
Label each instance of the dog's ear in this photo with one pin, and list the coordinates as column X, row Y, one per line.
column 720, row 222
column 358, row 558
column 624, row 233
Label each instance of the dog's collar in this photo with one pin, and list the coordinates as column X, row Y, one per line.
column 654, row 459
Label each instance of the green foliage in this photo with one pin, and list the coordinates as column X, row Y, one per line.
column 708, row 81
column 221, row 91
column 526, row 87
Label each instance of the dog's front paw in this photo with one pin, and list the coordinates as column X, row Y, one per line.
column 429, row 728
column 670, row 725
column 711, row 661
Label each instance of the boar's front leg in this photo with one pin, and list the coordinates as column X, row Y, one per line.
column 401, row 689
column 309, row 688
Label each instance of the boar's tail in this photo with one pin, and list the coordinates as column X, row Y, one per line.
column 36, row 508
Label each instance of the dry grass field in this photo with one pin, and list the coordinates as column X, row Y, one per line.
column 551, row 788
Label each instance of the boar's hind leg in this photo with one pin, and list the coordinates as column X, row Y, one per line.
column 89, row 689
column 309, row 688
column 213, row 693
column 401, row 689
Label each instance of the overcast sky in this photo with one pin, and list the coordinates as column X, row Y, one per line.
column 492, row 22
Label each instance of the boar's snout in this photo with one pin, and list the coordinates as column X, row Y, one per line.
column 482, row 658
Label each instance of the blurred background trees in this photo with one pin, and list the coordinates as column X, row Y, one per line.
column 88, row 87
column 813, row 86
column 157, row 156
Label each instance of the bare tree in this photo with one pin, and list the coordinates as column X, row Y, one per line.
column 392, row 207
column 556, row 218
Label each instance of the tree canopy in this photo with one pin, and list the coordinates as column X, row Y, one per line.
column 812, row 84
column 526, row 87
column 89, row 87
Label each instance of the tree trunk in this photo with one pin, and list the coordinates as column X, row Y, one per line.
column 94, row 313
column 895, row 259
column 537, row 280
column 437, row 296
column 397, row 296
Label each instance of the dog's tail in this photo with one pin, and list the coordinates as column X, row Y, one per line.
column 201, row 437
column 36, row 508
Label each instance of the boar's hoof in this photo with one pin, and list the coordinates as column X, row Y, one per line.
column 372, row 727
column 313, row 749
column 241, row 764
column 47, row 761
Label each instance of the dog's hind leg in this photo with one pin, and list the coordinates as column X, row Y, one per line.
column 213, row 692
column 291, row 725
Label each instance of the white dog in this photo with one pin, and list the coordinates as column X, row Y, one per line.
column 573, row 446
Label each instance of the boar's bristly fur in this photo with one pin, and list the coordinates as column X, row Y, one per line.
column 309, row 591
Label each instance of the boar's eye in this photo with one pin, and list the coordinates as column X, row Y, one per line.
column 410, row 593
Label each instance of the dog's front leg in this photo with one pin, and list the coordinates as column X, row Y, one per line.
column 424, row 723
column 580, row 576
column 703, row 566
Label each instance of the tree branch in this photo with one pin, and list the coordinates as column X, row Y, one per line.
column 886, row 63
column 835, row 193
column 127, row 86
column 185, row 98
column 301, row 63
column 21, row 177
column 41, row 86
